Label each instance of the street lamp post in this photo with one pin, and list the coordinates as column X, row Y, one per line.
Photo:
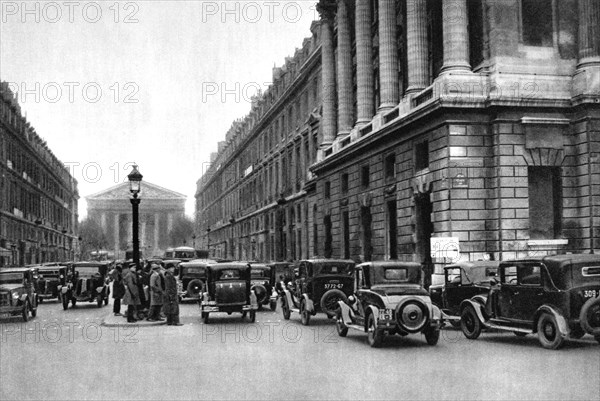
column 135, row 179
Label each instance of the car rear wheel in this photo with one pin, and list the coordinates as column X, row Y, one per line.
column 73, row 302
column 374, row 336
column 432, row 336
column 597, row 338
column 25, row 312
column 285, row 309
column 590, row 316
column 99, row 300
column 194, row 288
column 549, row 333
column 329, row 301
column 65, row 302
column 341, row 328
column 252, row 316
column 469, row 323
column 205, row 318
column 273, row 305
column 304, row 313
column 34, row 310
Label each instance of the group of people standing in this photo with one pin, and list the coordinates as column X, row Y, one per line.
column 129, row 288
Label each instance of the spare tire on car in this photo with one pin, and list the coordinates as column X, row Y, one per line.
column 329, row 301
column 261, row 293
column 589, row 316
column 412, row 315
column 194, row 288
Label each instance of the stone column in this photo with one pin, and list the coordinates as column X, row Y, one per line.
column 156, row 231
column 364, row 63
column 344, row 69
column 130, row 229
column 103, row 221
column 169, row 222
column 143, row 234
column 388, row 56
column 589, row 32
column 456, row 36
column 327, row 10
column 416, row 38
column 116, row 235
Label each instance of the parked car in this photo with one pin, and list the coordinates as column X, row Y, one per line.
column 463, row 280
column 17, row 292
column 318, row 286
column 88, row 282
column 192, row 278
column 388, row 298
column 261, row 280
column 50, row 280
column 228, row 289
column 281, row 273
column 556, row 297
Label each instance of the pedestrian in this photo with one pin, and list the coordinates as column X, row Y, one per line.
column 157, row 291
column 143, row 283
column 171, row 297
column 132, row 295
column 118, row 288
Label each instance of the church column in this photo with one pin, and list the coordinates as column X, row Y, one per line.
column 456, row 36
column 344, row 69
column 388, row 55
column 589, row 32
column 364, row 63
column 327, row 11
column 169, row 222
column 416, row 38
column 116, row 235
column 143, row 242
column 103, row 221
column 156, row 231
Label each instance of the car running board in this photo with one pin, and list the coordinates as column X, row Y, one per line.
column 355, row 327
column 506, row 328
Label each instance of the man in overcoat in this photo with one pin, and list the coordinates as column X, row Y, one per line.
column 118, row 290
column 132, row 296
column 157, row 290
column 171, row 297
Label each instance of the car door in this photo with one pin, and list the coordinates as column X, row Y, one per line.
column 503, row 305
column 359, row 292
column 451, row 293
column 528, row 294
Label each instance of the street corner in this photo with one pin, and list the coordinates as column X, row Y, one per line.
column 111, row 320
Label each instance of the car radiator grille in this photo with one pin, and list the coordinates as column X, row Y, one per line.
column 5, row 299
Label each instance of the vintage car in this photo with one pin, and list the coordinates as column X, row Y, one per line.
column 281, row 273
column 554, row 296
column 389, row 299
column 318, row 286
column 228, row 289
column 88, row 282
column 261, row 280
column 462, row 281
column 50, row 280
column 17, row 292
column 192, row 278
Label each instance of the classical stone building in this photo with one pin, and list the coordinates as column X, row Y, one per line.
column 158, row 210
column 38, row 195
column 475, row 122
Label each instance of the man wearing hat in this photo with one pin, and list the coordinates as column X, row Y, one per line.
column 171, row 305
column 132, row 296
column 157, row 290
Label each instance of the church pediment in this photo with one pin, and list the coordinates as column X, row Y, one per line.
column 149, row 191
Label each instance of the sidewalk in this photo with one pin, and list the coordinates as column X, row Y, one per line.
column 115, row 321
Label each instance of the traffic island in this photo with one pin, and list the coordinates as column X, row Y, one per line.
column 121, row 321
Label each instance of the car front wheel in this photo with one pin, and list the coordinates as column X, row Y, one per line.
column 432, row 336
column 304, row 313
column 549, row 333
column 341, row 328
column 252, row 316
column 65, row 302
column 469, row 323
column 374, row 336
column 285, row 308
column 25, row 312
column 205, row 317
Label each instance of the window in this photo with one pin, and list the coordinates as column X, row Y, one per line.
column 422, row 155
column 327, row 189
column 536, row 17
column 530, row 275
column 545, row 202
column 396, row 274
column 346, row 233
column 344, row 184
column 509, row 275
column 365, row 176
column 392, row 230
column 328, row 239
column 389, row 166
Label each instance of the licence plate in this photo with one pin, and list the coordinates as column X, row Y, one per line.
column 330, row 286
column 591, row 293
column 5, row 315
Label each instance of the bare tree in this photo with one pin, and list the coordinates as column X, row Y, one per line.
column 92, row 237
column 182, row 231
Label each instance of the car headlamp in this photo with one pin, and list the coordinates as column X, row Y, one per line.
column 15, row 295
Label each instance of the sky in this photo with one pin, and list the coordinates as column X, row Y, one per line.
column 156, row 83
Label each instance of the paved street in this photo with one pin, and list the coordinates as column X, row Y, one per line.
column 69, row 355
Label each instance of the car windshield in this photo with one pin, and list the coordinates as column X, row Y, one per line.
column 11, row 278
column 87, row 270
column 184, row 254
column 259, row 273
column 334, row 268
column 396, row 274
column 229, row 274
column 49, row 273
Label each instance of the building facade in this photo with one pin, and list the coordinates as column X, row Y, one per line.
column 471, row 122
column 158, row 210
column 38, row 195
